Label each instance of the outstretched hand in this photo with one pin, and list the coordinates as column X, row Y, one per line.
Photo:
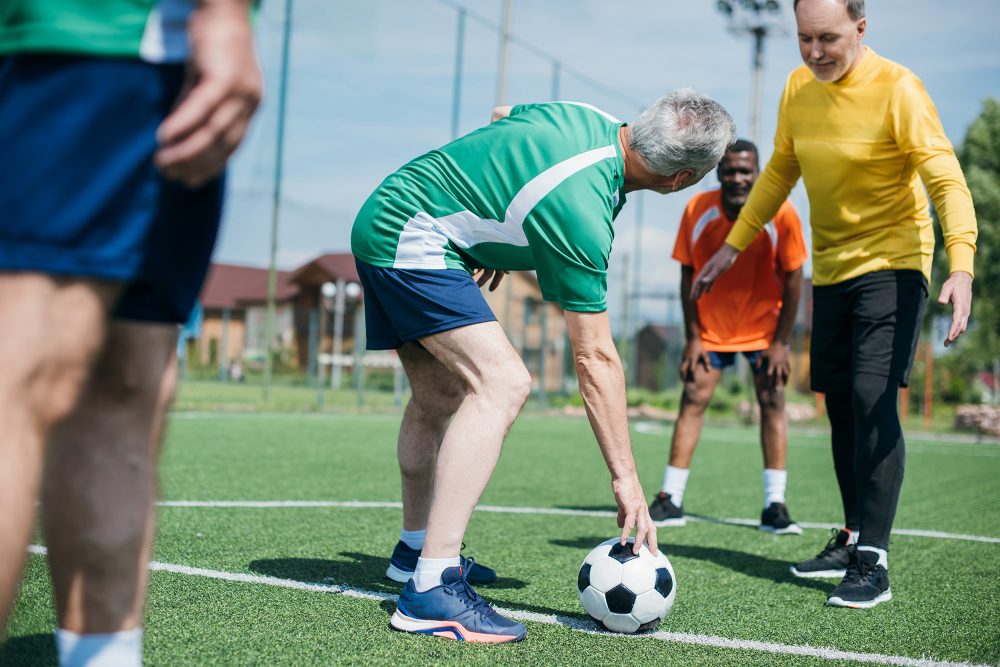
column 957, row 290
column 716, row 266
column 634, row 513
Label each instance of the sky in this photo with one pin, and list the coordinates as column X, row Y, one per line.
column 371, row 83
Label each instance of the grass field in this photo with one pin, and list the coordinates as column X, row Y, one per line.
column 299, row 584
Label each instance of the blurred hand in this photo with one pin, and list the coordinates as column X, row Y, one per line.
column 778, row 364
column 486, row 274
column 957, row 290
column 693, row 355
column 219, row 97
column 716, row 266
column 634, row 513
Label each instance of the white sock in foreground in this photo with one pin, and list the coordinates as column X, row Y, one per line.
column 116, row 649
column 883, row 555
column 774, row 486
column 429, row 570
column 413, row 538
column 674, row 481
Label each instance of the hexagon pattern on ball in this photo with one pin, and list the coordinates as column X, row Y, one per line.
column 625, row 592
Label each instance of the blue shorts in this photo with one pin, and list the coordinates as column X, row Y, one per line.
column 722, row 360
column 406, row 304
column 79, row 194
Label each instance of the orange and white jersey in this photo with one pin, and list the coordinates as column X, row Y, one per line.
column 741, row 311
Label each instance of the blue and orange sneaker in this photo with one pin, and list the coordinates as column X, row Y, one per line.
column 453, row 610
column 404, row 562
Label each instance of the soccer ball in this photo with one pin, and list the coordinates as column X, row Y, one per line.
column 624, row 592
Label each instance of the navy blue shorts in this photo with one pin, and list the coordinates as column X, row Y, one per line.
column 406, row 304
column 722, row 360
column 79, row 194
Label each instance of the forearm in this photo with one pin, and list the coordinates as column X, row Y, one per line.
column 768, row 194
column 945, row 183
column 602, row 385
column 790, row 295
column 692, row 327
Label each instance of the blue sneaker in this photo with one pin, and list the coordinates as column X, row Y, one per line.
column 453, row 610
column 404, row 562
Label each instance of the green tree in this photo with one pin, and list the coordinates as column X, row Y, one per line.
column 980, row 158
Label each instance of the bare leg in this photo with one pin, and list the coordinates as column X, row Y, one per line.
column 437, row 395
column 100, row 481
column 697, row 393
column 53, row 328
column 773, row 429
column 497, row 384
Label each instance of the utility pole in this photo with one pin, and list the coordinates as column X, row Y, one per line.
column 759, row 19
column 456, row 99
column 272, row 272
column 508, row 290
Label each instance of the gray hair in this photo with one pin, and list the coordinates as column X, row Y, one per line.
column 682, row 130
column 855, row 8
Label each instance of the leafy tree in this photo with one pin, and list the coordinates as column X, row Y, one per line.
column 980, row 158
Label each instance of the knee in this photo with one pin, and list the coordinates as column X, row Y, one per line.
column 873, row 394
column 509, row 388
column 139, row 382
column 438, row 406
column 53, row 384
column 772, row 400
column 695, row 399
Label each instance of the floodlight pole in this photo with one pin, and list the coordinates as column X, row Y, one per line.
column 272, row 270
column 750, row 17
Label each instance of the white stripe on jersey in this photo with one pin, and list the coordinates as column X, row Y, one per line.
column 423, row 239
column 706, row 217
column 165, row 39
column 592, row 108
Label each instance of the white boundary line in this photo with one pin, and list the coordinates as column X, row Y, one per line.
column 568, row 622
column 547, row 511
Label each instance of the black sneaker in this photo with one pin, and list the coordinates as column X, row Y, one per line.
column 831, row 562
column 865, row 584
column 775, row 519
column 665, row 513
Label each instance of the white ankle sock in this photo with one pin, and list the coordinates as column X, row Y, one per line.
column 429, row 570
column 674, row 481
column 413, row 538
column 116, row 649
column 883, row 555
column 853, row 536
column 774, row 486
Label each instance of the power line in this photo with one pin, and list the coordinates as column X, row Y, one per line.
column 545, row 55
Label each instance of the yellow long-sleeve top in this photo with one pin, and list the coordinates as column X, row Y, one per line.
column 860, row 145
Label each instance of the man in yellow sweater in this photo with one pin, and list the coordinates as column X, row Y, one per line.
column 863, row 134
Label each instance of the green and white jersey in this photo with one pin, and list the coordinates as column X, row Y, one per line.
column 153, row 30
column 537, row 190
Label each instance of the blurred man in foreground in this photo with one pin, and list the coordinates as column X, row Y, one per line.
column 111, row 194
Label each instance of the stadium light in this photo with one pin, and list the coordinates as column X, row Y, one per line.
column 759, row 18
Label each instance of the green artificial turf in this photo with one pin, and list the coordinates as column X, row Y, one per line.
column 733, row 580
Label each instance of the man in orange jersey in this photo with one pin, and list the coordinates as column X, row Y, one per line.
column 750, row 311
column 864, row 136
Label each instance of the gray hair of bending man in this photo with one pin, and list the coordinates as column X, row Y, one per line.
column 682, row 130
column 855, row 8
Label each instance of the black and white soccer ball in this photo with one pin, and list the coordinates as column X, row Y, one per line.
column 624, row 592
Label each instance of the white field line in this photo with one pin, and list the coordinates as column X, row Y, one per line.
column 546, row 511
column 568, row 622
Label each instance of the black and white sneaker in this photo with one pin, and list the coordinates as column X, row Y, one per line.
column 775, row 519
column 664, row 512
column 865, row 585
column 831, row 562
